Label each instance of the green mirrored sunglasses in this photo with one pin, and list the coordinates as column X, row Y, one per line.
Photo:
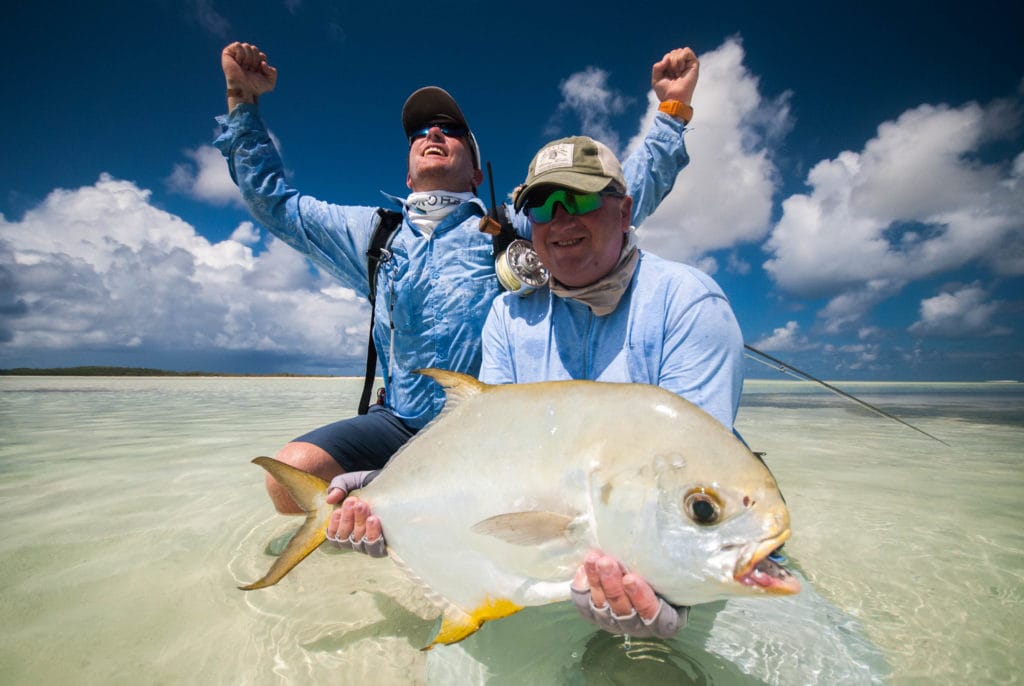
column 541, row 211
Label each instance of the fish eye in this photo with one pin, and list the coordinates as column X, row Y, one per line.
column 703, row 506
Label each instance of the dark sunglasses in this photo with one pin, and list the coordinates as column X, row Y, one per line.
column 449, row 130
column 575, row 204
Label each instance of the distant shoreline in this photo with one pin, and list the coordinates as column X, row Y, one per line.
column 147, row 371
column 136, row 371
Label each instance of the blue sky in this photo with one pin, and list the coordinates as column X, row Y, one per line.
column 856, row 184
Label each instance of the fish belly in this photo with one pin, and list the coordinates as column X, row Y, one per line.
column 584, row 453
column 474, row 464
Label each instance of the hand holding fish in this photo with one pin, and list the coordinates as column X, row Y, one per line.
column 675, row 493
column 351, row 525
column 618, row 602
column 604, row 593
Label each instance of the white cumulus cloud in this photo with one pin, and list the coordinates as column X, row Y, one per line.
column 846, row 311
column 724, row 197
column 587, row 97
column 786, row 339
column 100, row 266
column 205, row 178
column 915, row 202
column 959, row 312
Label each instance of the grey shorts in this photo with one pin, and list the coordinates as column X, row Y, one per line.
column 362, row 442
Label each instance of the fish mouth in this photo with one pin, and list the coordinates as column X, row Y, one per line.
column 764, row 574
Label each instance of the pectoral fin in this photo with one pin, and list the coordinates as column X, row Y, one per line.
column 526, row 528
column 308, row 491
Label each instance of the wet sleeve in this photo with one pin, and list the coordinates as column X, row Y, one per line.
column 334, row 237
column 651, row 169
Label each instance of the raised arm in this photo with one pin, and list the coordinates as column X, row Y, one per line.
column 334, row 236
column 652, row 167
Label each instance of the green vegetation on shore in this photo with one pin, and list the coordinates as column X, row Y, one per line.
column 117, row 371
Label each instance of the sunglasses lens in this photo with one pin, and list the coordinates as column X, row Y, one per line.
column 574, row 203
column 542, row 213
column 448, row 131
column 587, row 202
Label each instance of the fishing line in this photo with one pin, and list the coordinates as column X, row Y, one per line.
column 786, row 368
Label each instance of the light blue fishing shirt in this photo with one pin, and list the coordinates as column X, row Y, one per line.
column 672, row 328
column 435, row 290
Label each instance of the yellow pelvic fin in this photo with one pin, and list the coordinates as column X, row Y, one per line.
column 455, row 627
column 308, row 491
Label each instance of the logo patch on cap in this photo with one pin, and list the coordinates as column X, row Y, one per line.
column 557, row 156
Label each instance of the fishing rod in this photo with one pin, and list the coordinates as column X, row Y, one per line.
column 786, row 368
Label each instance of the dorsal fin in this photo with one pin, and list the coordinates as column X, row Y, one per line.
column 458, row 387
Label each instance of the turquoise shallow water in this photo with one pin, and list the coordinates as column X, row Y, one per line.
column 129, row 513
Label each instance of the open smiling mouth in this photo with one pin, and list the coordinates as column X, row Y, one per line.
column 568, row 243
column 434, row 150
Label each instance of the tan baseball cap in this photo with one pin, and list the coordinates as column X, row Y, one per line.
column 579, row 163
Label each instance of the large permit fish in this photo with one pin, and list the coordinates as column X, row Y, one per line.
column 494, row 504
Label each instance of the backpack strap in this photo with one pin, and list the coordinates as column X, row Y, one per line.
column 378, row 252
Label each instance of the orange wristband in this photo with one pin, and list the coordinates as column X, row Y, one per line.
column 674, row 108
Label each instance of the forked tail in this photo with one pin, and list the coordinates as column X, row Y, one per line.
column 309, row 492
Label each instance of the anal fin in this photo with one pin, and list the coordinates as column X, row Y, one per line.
column 457, row 625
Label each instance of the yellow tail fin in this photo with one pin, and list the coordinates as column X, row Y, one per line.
column 309, row 493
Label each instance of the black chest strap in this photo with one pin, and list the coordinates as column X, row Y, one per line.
column 378, row 252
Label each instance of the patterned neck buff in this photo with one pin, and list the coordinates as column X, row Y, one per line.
column 428, row 208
